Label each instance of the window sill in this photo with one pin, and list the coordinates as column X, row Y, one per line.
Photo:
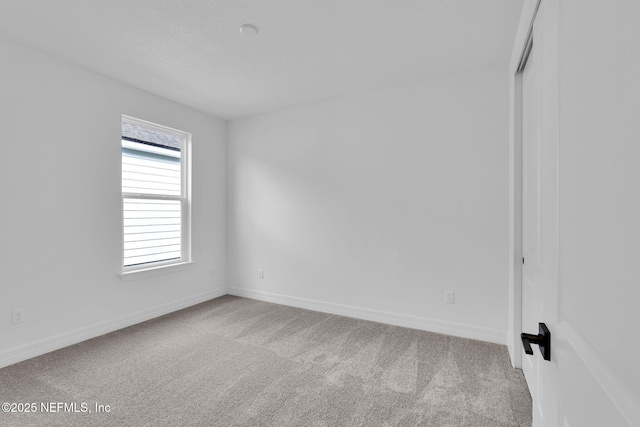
column 129, row 276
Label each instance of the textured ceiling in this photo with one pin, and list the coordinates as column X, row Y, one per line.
column 192, row 51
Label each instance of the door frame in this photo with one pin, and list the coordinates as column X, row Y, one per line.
column 521, row 49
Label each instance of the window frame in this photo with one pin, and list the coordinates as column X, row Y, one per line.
column 139, row 271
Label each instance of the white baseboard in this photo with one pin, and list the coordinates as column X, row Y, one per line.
column 432, row 325
column 46, row 345
column 39, row 347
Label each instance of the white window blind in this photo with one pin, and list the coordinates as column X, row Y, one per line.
column 152, row 231
column 153, row 195
column 143, row 173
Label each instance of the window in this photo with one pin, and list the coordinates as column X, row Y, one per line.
column 155, row 203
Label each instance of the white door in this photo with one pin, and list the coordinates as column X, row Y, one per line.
column 539, row 222
column 531, row 292
column 579, row 386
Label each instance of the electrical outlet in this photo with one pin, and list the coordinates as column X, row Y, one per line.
column 449, row 297
column 261, row 274
column 17, row 316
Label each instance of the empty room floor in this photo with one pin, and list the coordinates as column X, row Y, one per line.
column 239, row 362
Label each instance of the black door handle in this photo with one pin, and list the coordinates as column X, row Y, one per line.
column 543, row 340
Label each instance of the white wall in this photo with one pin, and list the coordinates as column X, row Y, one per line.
column 61, row 215
column 376, row 204
column 600, row 181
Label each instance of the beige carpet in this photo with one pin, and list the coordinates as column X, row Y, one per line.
column 239, row 362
